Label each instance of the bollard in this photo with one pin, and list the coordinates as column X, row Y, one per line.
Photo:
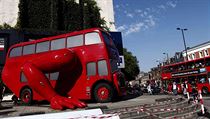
column 201, row 102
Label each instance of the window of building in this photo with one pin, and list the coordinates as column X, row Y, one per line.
column 23, row 77
column 201, row 54
column 91, row 69
column 16, row 52
column 206, row 52
column 54, row 76
column 102, row 68
column 92, row 38
column 193, row 56
column 75, row 41
column 202, row 80
column 58, row 44
column 190, row 57
column 42, row 47
column 29, row 49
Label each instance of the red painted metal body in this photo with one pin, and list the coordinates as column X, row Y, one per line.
column 71, row 63
column 193, row 71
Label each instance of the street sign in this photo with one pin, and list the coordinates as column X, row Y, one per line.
column 1, row 43
column 121, row 64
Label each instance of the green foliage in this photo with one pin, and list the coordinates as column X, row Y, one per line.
column 5, row 26
column 59, row 15
column 131, row 69
column 72, row 17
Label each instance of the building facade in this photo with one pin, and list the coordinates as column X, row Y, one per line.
column 198, row 51
column 9, row 12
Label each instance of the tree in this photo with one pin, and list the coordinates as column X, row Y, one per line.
column 131, row 69
column 62, row 15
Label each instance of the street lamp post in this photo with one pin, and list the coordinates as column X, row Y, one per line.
column 167, row 57
column 184, row 40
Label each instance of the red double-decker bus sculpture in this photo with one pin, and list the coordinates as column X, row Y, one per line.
column 64, row 69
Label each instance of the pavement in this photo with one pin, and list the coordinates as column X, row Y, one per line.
column 40, row 108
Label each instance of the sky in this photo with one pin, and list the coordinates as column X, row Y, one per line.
column 149, row 27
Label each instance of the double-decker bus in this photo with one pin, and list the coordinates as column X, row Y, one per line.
column 195, row 72
column 95, row 75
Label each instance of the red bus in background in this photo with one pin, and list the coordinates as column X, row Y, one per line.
column 195, row 72
column 95, row 75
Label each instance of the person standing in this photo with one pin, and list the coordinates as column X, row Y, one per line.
column 174, row 88
column 185, row 89
column 2, row 88
column 149, row 89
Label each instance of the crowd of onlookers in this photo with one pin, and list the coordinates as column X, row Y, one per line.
column 184, row 88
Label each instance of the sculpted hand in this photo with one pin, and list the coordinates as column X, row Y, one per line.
column 59, row 103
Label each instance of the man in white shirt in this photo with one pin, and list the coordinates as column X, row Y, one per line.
column 174, row 88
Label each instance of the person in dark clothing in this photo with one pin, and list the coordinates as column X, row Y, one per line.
column 195, row 93
column 2, row 88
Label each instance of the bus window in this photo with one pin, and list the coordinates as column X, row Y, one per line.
column 16, row 52
column 102, row 68
column 207, row 61
column 58, row 44
column 75, row 41
column 54, row 76
column 29, row 49
column 42, row 47
column 199, row 63
column 178, row 81
column 91, row 69
column 202, row 79
column 92, row 38
column 190, row 65
column 22, row 77
column 192, row 80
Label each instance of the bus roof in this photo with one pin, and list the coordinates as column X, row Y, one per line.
column 57, row 36
column 180, row 63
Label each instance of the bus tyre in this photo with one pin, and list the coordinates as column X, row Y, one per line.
column 103, row 92
column 26, row 96
column 205, row 90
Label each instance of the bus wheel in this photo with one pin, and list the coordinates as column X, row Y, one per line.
column 103, row 93
column 26, row 96
column 205, row 90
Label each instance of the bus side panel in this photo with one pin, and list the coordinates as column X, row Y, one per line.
column 83, row 85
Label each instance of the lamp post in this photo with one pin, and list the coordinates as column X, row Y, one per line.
column 167, row 57
column 184, row 40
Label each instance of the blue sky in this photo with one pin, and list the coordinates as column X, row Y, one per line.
column 149, row 27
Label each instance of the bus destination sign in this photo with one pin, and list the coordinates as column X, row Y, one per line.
column 185, row 73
